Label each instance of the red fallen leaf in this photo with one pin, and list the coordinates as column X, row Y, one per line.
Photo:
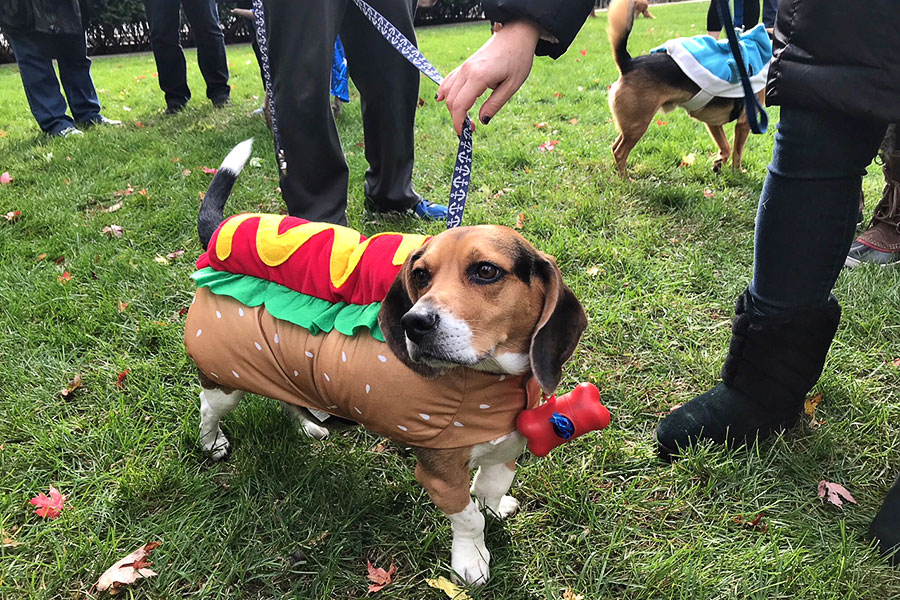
column 5, row 177
column 708, row 193
column 122, row 306
column 13, row 215
column 557, row 95
column 113, row 231
column 421, row 102
column 3, row 133
column 835, row 493
column 520, row 221
column 126, row 192
column 183, row 311
column 120, row 380
column 127, row 570
column 540, row 125
column 756, row 523
column 896, row 362
column 202, row 195
column 584, row 51
column 210, row 171
column 361, row 145
column 660, row 121
column 142, row 191
column 71, row 387
column 49, row 508
column 379, row 577
column 548, row 146
column 60, row 260
column 66, row 276
column 185, row 172
column 138, row 123
column 175, row 159
column 175, row 254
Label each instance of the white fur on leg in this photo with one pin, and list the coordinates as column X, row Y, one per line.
column 310, row 428
column 490, row 485
column 469, row 556
column 215, row 404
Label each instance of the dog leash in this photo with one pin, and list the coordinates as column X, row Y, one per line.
column 462, row 169
column 756, row 114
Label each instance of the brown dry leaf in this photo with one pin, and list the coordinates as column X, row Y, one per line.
column 7, row 540
column 896, row 362
column 113, row 231
column 127, row 570
column 573, row 121
column 810, row 405
column 379, row 577
column 175, row 254
column 13, row 215
column 835, row 493
column 3, row 133
column 114, row 207
column 520, row 221
column 757, row 524
column 71, row 387
column 381, row 446
column 570, row 594
column 122, row 306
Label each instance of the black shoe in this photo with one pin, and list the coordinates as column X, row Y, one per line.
column 221, row 102
column 174, row 109
column 100, row 120
column 772, row 363
column 862, row 253
column 886, row 527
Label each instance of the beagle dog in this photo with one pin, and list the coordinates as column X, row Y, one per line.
column 654, row 82
column 476, row 322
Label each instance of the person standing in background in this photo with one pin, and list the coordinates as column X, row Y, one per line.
column 165, row 27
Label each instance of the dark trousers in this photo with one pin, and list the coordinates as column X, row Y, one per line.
column 806, row 218
column 165, row 25
column 34, row 54
column 770, row 9
column 301, row 46
column 750, row 15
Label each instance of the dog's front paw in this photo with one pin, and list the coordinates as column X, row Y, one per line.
column 470, row 560
column 218, row 447
column 508, row 507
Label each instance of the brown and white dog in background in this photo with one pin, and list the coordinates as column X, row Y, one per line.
column 480, row 297
column 654, row 82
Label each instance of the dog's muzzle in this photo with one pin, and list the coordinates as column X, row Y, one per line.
column 419, row 325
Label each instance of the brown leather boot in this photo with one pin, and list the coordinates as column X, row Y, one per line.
column 880, row 243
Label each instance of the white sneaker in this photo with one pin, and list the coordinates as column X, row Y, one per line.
column 68, row 132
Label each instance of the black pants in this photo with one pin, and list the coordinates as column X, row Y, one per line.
column 751, row 16
column 301, row 47
column 165, row 24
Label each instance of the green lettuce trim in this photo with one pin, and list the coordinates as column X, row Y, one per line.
column 286, row 304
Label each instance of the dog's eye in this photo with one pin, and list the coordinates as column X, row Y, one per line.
column 421, row 277
column 486, row 272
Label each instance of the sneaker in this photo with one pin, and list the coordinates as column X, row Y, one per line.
column 222, row 102
column 431, row 211
column 68, row 132
column 862, row 253
column 101, row 120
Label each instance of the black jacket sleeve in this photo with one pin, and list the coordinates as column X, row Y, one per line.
column 562, row 19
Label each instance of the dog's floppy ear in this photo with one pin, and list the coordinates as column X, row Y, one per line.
column 396, row 304
column 558, row 330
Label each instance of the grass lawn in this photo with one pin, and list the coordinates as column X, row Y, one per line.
column 657, row 263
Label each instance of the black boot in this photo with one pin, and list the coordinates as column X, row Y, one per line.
column 772, row 363
column 886, row 526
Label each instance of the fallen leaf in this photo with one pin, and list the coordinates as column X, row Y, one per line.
column 122, row 306
column 557, row 95
column 834, row 493
column 570, row 594
column 126, row 192
column 3, row 133
column 380, row 446
column 49, row 508
column 541, row 125
column 448, row 587
column 5, row 177
column 12, row 215
column 687, row 161
column 528, row 170
column 175, row 159
column 756, row 524
column 161, row 260
column 138, row 123
column 142, row 191
column 8, row 542
column 421, row 102
column 210, row 171
column 548, row 146
column 127, row 570
column 120, row 380
column 593, row 271
column 574, row 121
column 584, row 51
column 175, row 254
column 114, row 207
column 379, row 577
column 41, row 256
column 520, row 221
column 660, row 121
column 126, row 108
column 896, row 362
column 113, row 231
column 202, row 195
column 185, row 172
column 71, row 387
column 183, row 311
column 810, row 404
column 66, row 276
column 59, row 260
column 708, row 193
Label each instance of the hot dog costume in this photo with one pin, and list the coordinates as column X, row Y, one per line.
column 288, row 309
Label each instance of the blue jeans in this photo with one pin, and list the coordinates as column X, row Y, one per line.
column 806, row 218
column 34, row 54
column 165, row 24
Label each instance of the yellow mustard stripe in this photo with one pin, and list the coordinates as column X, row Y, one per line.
column 275, row 248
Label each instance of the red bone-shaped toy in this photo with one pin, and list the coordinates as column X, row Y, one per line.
column 562, row 419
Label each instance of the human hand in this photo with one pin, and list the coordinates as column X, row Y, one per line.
column 502, row 64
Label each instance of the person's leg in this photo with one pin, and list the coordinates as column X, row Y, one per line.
column 751, row 14
column 165, row 22
column 713, row 24
column 786, row 320
column 204, row 19
column 75, row 76
column 885, row 528
column 389, row 91
column 34, row 56
column 301, row 44
column 770, row 8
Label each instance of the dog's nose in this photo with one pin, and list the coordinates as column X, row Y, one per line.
column 418, row 324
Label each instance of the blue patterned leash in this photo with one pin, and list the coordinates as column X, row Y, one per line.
column 756, row 114
column 262, row 39
column 462, row 170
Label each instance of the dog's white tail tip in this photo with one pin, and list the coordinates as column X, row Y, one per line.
column 238, row 157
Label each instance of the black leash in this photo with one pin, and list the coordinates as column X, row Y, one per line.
column 756, row 114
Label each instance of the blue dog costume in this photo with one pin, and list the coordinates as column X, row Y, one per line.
column 709, row 63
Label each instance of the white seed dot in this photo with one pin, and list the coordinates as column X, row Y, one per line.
column 344, row 356
column 296, row 373
column 199, row 331
column 484, row 406
column 258, row 347
column 218, row 315
column 327, row 378
column 276, row 338
column 457, row 424
column 357, row 410
column 332, row 406
column 236, row 376
column 402, row 428
column 194, row 299
column 368, row 387
column 241, row 312
column 502, row 377
column 424, row 416
column 382, row 358
column 309, row 354
column 213, row 374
